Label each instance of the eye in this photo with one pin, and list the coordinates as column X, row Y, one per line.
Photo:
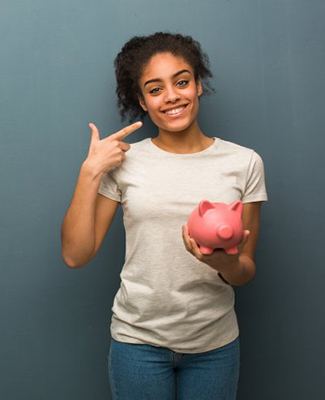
column 183, row 82
column 154, row 90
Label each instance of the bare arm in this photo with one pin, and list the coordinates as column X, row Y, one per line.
column 244, row 269
column 86, row 221
column 90, row 214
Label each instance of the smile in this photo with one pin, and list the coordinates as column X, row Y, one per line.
column 175, row 112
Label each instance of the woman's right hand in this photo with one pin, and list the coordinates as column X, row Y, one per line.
column 108, row 153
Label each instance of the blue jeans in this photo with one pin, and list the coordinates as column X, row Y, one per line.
column 141, row 371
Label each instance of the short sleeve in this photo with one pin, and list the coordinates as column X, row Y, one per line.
column 109, row 188
column 255, row 189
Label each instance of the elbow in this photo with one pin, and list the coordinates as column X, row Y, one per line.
column 76, row 260
column 71, row 263
column 244, row 282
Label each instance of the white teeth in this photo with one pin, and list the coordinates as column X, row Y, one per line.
column 175, row 110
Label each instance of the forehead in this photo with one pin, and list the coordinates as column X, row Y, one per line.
column 164, row 65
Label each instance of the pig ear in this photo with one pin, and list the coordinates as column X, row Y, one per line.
column 204, row 206
column 236, row 206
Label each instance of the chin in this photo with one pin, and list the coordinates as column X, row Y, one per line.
column 180, row 126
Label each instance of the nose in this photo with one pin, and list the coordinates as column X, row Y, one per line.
column 171, row 95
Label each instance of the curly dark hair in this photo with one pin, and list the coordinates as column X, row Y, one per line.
column 134, row 55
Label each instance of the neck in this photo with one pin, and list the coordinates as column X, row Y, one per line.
column 190, row 140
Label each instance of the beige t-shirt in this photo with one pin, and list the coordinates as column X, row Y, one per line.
column 168, row 297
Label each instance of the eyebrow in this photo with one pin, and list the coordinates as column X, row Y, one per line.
column 160, row 80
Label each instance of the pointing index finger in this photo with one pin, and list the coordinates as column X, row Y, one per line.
column 123, row 133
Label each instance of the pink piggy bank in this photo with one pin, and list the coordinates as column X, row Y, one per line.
column 217, row 225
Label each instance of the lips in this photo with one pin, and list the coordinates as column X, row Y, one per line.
column 176, row 111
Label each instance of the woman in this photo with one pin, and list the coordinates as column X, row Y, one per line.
column 174, row 329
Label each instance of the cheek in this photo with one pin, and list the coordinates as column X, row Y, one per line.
column 153, row 107
column 194, row 93
column 153, row 103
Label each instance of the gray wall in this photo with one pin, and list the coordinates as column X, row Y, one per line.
column 57, row 74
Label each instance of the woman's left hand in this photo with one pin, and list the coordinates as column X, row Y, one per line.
column 219, row 259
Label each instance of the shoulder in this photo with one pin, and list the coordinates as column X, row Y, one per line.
column 237, row 151
column 234, row 147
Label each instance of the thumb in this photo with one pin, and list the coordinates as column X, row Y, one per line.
column 246, row 234
column 244, row 240
column 94, row 133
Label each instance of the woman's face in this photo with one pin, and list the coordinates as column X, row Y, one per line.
column 170, row 93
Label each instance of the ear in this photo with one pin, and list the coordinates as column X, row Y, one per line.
column 204, row 206
column 199, row 88
column 142, row 103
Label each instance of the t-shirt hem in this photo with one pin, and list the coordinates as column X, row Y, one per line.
column 214, row 346
column 257, row 197
column 109, row 195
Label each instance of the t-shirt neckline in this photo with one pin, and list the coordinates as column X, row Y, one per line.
column 157, row 149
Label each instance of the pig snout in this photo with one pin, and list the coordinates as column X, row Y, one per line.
column 225, row 232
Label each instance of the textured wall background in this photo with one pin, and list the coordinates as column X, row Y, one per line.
column 268, row 59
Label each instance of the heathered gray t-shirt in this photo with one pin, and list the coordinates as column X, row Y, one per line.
column 167, row 296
